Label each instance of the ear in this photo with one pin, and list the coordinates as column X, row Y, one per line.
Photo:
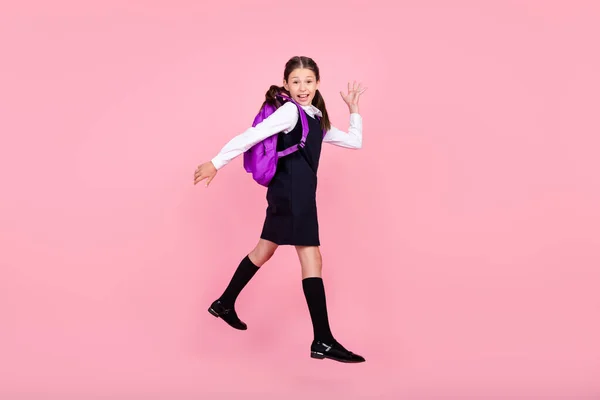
column 318, row 84
column 285, row 85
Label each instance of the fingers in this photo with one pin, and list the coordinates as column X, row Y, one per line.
column 199, row 178
column 359, row 92
column 199, row 175
column 205, row 171
column 354, row 87
column 203, row 177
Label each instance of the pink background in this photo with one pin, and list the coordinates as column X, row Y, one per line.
column 461, row 244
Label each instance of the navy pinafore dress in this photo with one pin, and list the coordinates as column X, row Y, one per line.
column 291, row 216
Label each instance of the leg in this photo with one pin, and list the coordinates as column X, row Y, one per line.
column 324, row 345
column 310, row 261
column 263, row 252
column 314, row 291
column 224, row 306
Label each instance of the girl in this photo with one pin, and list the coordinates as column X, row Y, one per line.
column 291, row 215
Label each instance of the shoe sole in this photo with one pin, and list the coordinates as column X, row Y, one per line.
column 213, row 312
column 216, row 315
column 320, row 356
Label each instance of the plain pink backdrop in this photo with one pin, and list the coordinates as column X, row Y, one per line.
column 461, row 244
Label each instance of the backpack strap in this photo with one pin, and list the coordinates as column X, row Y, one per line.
column 304, row 123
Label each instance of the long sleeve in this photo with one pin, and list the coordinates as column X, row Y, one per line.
column 351, row 139
column 282, row 120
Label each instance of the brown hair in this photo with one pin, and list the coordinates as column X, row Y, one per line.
column 318, row 101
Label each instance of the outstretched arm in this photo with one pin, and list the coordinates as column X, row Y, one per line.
column 282, row 120
column 353, row 138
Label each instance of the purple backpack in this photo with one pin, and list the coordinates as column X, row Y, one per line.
column 261, row 159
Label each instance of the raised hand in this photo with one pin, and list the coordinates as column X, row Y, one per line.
column 351, row 98
column 205, row 171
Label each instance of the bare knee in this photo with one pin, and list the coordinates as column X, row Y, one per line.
column 309, row 254
column 262, row 253
column 310, row 260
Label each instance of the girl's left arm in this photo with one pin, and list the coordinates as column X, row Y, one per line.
column 351, row 139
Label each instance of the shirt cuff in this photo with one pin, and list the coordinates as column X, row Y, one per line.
column 355, row 120
column 218, row 162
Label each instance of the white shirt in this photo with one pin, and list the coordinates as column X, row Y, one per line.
column 284, row 119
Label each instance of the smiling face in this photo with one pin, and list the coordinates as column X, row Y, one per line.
column 302, row 85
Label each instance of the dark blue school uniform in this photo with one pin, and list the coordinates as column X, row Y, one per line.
column 291, row 216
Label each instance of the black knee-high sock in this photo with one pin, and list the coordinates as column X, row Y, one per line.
column 314, row 291
column 242, row 275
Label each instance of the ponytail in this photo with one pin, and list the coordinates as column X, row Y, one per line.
column 319, row 102
column 271, row 95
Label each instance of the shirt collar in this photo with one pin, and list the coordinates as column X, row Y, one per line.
column 312, row 111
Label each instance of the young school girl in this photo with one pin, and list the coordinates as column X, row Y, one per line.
column 291, row 215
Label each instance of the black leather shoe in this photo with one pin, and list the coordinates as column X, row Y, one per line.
column 226, row 314
column 334, row 351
